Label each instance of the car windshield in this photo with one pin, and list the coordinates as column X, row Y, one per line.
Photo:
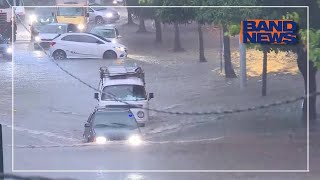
column 44, row 11
column 123, row 119
column 124, row 93
column 106, row 33
column 54, row 29
column 70, row 11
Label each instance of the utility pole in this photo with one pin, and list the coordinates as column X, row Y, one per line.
column 243, row 65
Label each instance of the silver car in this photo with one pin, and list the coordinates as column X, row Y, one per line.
column 101, row 15
column 112, row 124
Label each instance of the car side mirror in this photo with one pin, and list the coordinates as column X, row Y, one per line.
column 87, row 125
column 96, row 96
column 99, row 42
column 87, row 15
column 151, row 95
column 141, row 124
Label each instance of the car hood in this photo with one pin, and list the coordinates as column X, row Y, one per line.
column 48, row 35
column 116, row 133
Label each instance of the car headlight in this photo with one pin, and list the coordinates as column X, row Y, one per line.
column 135, row 140
column 121, row 48
column 109, row 15
column 33, row 18
column 101, row 140
column 37, row 39
column 81, row 26
column 140, row 114
column 9, row 50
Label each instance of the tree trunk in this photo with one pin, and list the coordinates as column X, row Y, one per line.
column 227, row 55
column 302, row 65
column 202, row 58
column 177, row 43
column 264, row 71
column 157, row 23
column 130, row 20
column 142, row 26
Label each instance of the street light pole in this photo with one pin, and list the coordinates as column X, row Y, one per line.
column 1, row 152
column 243, row 65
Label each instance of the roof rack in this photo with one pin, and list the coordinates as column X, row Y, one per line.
column 121, row 72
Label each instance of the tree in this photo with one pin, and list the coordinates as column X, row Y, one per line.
column 176, row 16
column 225, row 17
column 153, row 14
column 130, row 10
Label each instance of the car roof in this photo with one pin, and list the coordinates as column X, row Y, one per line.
column 127, row 81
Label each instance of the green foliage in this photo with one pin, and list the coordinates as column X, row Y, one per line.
column 314, row 45
column 180, row 15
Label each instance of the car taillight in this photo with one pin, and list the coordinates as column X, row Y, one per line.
column 52, row 43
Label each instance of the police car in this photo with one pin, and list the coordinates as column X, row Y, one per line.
column 124, row 85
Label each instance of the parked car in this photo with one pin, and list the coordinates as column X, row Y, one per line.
column 112, row 124
column 109, row 32
column 5, row 48
column 48, row 32
column 85, row 45
column 101, row 15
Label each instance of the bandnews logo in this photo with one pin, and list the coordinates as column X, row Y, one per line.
column 268, row 31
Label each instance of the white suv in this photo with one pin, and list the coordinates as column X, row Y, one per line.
column 85, row 45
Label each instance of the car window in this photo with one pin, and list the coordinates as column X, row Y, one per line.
column 88, row 39
column 70, row 38
column 114, row 119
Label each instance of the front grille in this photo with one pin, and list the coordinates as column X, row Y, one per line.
column 3, row 18
column 117, row 138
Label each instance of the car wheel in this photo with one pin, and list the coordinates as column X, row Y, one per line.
column 59, row 55
column 99, row 20
column 110, row 55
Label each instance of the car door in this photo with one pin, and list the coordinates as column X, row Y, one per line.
column 89, row 46
column 67, row 44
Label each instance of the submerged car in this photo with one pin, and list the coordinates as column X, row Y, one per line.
column 124, row 84
column 112, row 124
column 48, row 32
column 101, row 15
column 109, row 32
column 85, row 45
column 5, row 48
